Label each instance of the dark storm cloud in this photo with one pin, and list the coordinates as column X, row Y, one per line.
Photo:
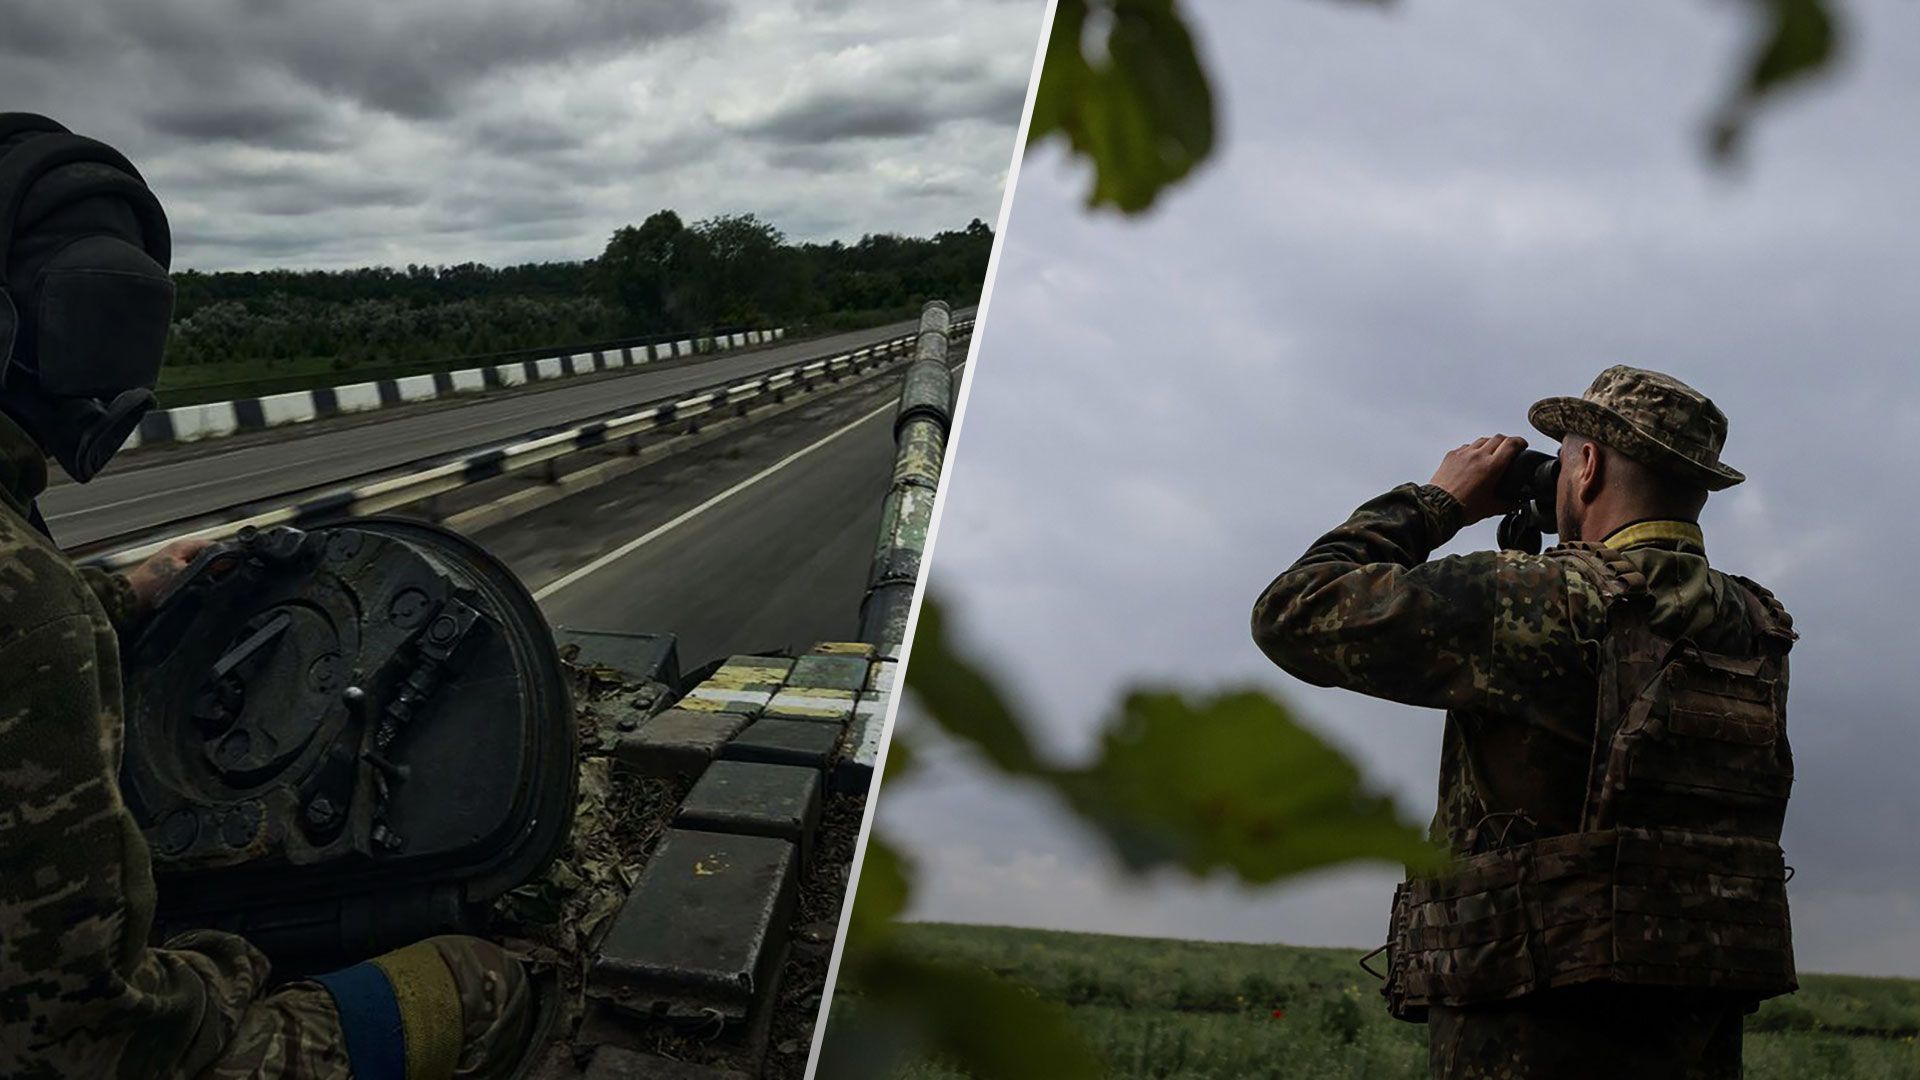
column 42, row 30
column 282, row 125
column 501, row 208
column 410, row 58
column 297, row 184
column 327, row 197
column 526, row 137
column 265, row 243
column 815, row 159
column 448, row 130
column 852, row 113
column 1420, row 224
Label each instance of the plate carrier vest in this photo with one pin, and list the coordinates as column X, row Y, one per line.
column 1675, row 877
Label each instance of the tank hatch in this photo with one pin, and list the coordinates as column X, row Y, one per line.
column 344, row 739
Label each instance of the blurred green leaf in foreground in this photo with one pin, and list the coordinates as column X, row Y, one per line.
column 1227, row 783
column 1792, row 39
column 1122, row 82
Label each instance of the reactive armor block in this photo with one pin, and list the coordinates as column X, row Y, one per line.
column 346, row 739
column 1675, row 877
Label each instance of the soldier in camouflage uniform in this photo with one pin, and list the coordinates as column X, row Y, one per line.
column 83, row 991
column 1507, row 644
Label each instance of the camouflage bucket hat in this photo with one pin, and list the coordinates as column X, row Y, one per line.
column 1652, row 418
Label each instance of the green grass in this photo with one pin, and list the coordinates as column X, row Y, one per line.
column 1203, row 1010
column 187, row 377
column 192, row 384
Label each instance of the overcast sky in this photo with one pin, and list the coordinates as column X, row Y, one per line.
column 357, row 132
column 1421, row 221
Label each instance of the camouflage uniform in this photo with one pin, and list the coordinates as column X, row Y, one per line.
column 1507, row 643
column 82, row 991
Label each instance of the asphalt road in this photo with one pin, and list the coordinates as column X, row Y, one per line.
column 150, row 489
column 759, row 541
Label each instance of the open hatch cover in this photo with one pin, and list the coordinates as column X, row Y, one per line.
column 345, row 739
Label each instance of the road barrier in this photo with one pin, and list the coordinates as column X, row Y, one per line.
column 214, row 419
column 377, row 493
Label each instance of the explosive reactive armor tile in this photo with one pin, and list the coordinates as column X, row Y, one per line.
column 676, row 742
column 808, row 703
column 880, row 676
column 744, row 684
column 638, row 657
column 785, row 742
column 776, row 667
column 731, row 676
column 702, row 933
column 756, row 799
column 853, row 771
column 844, row 648
column 708, row 698
column 829, row 672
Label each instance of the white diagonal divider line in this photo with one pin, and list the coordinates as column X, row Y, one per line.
column 657, row 532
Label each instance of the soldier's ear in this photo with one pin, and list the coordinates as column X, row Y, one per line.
column 1584, row 471
column 1592, row 471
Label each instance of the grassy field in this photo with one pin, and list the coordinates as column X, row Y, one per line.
column 1161, row 1008
column 192, row 384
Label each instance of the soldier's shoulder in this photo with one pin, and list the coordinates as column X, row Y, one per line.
column 1762, row 593
column 38, row 584
column 1587, row 583
column 1546, row 615
column 1746, row 599
column 1532, row 595
column 1514, row 574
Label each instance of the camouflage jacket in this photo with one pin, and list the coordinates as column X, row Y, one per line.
column 1507, row 643
column 81, row 991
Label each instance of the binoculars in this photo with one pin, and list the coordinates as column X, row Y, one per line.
column 1529, row 484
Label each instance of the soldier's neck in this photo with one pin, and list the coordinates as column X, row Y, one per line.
column 1598, row 525
column 1605, row 518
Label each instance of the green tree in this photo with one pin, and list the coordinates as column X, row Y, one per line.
column 658, row 277
column 639, row 266
column 744, row 273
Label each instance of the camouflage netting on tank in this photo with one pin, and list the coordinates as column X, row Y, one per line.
column 556, row 920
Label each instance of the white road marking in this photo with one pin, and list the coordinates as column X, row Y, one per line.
column 639, row 542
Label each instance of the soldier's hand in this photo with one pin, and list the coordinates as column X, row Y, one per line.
column 1472, row 474
column 150, row 578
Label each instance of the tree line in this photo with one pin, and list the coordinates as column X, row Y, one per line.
column 660, row 277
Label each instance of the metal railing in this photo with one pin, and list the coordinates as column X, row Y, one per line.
column 695, row 344
column 376, row 492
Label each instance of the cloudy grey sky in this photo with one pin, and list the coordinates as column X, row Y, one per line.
column 357, row 132
column 1423, row 220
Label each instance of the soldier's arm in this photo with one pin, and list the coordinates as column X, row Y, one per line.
column 76, row 894
column 115, row 593
column 1363, row 609
column 128, row 597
